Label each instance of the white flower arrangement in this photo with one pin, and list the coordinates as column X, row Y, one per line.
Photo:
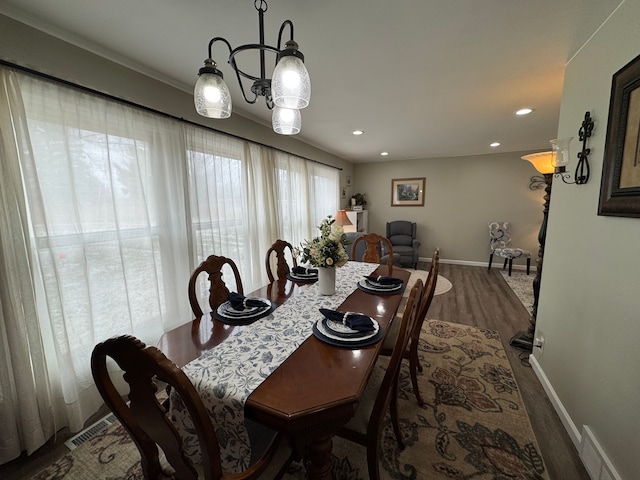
column 327, row 250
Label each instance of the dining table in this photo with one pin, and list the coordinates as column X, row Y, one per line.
column 315, row 387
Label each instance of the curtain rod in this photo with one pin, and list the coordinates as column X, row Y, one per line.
column 153, row 110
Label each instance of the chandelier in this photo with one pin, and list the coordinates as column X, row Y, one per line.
column 288, row 91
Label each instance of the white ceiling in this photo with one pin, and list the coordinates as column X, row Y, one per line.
column 422, row 78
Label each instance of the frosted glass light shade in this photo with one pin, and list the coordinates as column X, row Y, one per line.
column 286, row 121
column 560, row 148
column 211, row 96
column 543, row 162
column 290, row 85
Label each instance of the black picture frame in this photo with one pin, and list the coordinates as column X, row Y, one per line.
column 620, row 186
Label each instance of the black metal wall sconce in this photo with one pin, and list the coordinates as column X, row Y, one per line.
column 560, row 149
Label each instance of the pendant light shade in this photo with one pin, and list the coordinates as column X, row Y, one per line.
column 286, row 121
column 290, row 85
column 211, row 95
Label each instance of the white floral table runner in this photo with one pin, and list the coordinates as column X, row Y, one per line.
column 227, row 374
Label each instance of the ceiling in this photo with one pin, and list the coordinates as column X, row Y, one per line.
column 421, row 78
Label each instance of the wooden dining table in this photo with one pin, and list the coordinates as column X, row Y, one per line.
column 316, row 390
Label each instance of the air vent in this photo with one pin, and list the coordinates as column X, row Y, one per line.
column 90, row 432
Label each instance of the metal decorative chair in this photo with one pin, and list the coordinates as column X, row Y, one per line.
column 500, row 244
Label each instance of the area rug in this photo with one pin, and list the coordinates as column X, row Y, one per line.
column 443, row 285
column 473, row 426
column 522, row 286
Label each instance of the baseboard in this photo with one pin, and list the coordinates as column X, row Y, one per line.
column 592, row 455
column 471, row 263
column 569, row 426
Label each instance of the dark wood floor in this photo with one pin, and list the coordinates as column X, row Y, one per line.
column 479, row 298
column 483, row 299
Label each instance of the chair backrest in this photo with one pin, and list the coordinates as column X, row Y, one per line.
column 499, row 235
column 279, row 247
column 218, row 291
column 373, row 252
column 401, row 232
column 427, row 296
column 144, row 417
column 407, row 320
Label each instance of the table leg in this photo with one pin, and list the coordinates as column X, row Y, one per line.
column 319, row 459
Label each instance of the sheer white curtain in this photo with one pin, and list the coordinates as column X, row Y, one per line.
column 106, row 237
column 106, row 210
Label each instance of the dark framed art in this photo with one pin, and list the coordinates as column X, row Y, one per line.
column 407, row 192
column 620, row 187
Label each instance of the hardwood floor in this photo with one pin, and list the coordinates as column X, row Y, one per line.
column 479, row 298
column 483, row 299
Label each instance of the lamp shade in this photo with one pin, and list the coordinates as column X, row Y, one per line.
column 290, row 85
column 543, row 161
column 211, row 95
column 342, row 219
column 286, row 121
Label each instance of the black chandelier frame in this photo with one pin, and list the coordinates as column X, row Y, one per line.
column 261, row 86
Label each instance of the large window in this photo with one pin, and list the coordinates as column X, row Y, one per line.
column 121, row 205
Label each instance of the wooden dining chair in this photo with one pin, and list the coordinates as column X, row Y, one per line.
column 147, row 422
column 411, row 353
column 381, row 391
column 218, row 291
column 279, row 248
column 372, row 254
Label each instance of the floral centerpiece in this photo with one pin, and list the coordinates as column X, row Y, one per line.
column 327, row 250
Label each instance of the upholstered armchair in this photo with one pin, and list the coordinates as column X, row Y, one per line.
column 402, row 235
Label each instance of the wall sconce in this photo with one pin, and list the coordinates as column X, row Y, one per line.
column 560, row 148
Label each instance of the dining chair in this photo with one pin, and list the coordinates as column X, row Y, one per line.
column 375, row 244
column 279, row 248
column 381, row 392
column 146, row 419
column 218, row 291
column 411, row 353
column 500, row 244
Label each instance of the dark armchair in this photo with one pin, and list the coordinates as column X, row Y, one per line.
column 402, row 235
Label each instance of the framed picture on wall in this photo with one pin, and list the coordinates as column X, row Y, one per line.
column 407, row 192
column 620, row 187
column 343, row 192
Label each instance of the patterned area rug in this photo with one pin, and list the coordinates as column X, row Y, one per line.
column 522, row 286
column 474, row 424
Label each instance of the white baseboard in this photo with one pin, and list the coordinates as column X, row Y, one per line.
column 472, row 264
column 592, row 455
column 569, row 426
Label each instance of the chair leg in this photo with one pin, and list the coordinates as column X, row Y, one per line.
column 394, row 417
column 528, row 264
column 510, row 265
column 504, row 265
column 414, row 364
column 372, row 460
column 490, row 260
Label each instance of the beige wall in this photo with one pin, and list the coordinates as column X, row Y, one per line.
column 462, row 195
column 589, row 308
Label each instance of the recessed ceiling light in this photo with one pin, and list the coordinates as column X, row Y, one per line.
column 384, row 154
column 524, row 111
column 494, row 144
column 357, row 132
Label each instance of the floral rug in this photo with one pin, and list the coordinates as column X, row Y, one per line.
column 473, row 426
column 522, row 286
